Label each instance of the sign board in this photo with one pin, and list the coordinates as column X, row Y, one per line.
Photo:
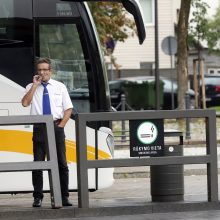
column 146, row 137
column 169, row 45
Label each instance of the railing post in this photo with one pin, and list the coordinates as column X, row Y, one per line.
column 82, row 168
column 51, row 165
column 187, row 103
column 123, row 108
column 53, row 174
column 212, row 166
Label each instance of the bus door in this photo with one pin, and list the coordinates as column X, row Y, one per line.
column 65, row 36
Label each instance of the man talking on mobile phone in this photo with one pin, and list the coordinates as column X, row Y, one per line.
column 49, row 97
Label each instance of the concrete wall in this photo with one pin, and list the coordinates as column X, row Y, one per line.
column 113, row 75
column 211, row 61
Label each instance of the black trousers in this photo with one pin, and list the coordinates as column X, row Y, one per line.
column 39, row 150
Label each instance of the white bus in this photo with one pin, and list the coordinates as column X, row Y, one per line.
column 63, row 31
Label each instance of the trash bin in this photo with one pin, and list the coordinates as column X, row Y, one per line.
column 167, row 181
column 136, row 95
column 143, row 95
column 151, row 94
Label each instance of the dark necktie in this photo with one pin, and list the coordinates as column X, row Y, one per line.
column 46, row 100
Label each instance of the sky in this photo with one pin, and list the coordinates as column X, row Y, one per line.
column 213, row 5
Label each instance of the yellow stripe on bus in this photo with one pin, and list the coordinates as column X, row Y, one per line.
column 21, row 142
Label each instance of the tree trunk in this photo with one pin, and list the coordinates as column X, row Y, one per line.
column 182, row 52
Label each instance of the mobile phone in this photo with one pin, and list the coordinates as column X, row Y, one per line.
column 37, row 77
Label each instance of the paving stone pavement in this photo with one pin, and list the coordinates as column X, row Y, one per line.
column 124, row 192
column 212, row 215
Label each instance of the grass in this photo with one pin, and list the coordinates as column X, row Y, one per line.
column 216, row 108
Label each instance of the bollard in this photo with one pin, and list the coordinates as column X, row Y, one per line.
column 167, row 182
column 187, row 103
column 123, row 108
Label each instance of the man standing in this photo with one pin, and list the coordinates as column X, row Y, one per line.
column 47, row 96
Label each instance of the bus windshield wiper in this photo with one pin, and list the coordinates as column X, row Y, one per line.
column 9, row 41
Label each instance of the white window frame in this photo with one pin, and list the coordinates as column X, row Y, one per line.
column 213, row 71
column 153, row 14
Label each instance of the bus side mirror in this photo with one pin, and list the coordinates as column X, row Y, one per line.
column 134, row 8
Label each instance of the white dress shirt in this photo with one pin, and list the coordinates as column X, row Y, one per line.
column 59, row 99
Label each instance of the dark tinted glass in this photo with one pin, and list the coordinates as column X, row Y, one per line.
column 15, row 23
column 61, row 42
column 55, row 8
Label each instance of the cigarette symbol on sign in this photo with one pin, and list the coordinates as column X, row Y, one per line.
column 148, row 135
column 152, row 129
column 147, row 132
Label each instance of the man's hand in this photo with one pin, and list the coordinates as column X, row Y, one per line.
column 26, row 100
column 66, row 117
column 37, row 79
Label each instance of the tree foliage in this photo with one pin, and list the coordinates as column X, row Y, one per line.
column 198, row 28
column 213, row 33
column 111, row 21
column 199, row 21
column 206, row 29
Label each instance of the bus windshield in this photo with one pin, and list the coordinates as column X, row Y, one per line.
column 134, row 8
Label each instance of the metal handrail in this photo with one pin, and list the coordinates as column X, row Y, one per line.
column 83, row 164
column 51, row 165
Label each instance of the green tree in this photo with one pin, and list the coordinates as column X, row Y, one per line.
column 198, row 32
column 213, row 33
column 198, row 28
column 190, row 33
column 206, row 28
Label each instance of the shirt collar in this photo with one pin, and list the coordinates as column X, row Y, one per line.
column 51, row 81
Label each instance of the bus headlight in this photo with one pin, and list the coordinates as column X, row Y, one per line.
column 109, row 139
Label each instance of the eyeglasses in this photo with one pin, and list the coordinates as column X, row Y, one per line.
column 42, row 70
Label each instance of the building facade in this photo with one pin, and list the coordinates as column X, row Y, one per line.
column 135, row 59
column 139, row 59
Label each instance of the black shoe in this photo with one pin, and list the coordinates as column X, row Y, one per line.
column 66, row 202
column 37, row 202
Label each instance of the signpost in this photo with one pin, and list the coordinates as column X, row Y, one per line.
column 146, row 137
column 169, row 47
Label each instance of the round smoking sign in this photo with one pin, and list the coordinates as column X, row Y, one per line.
column 147, row 132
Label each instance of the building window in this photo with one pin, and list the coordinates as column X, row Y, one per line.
column 211, row 71
column 148, row 11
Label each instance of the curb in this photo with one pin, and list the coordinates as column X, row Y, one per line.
column 186, row 143
column 146, row 174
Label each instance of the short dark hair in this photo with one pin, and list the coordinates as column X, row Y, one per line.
column 44, row 60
